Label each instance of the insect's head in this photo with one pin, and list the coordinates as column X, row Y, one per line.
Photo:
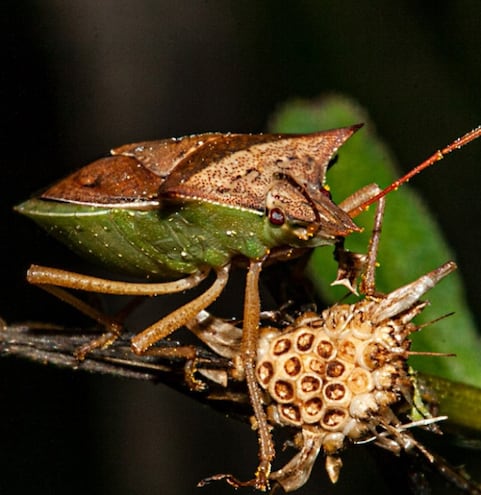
column 298, row 205
column 307, row 215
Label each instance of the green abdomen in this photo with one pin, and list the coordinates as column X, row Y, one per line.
column 155, row 243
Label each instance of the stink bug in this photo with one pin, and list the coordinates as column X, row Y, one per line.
column 176, row 207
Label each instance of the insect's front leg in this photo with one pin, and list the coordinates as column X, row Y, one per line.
column 368, row 279
column 352, row 265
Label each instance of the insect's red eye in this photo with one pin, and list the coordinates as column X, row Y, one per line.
column 325, row 191
column 276, row 216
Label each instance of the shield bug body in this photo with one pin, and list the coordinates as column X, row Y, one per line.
column 179, row 208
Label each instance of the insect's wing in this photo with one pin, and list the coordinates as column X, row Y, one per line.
column 235, row 170
column 131, row 177
column 238, row 170
column 163, row 156
column 114, row 180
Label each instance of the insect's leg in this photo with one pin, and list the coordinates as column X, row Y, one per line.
column 187, row 353
column 352, row 202
column 353, row 264
column 406, row 441
column 456, row 476
column 249, row 344
column 52, row 280
column 43, row 275
column 294, row 474
column 368, row 279
column 179, row 317
column 113, row 327
column 248, row 355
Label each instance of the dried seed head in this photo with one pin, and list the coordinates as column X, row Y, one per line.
column 337, row 375
column 334, row 369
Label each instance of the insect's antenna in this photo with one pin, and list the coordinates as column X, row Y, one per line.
column 434, row 158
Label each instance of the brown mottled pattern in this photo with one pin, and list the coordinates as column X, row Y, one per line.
column 239, row 170
column 161, row 157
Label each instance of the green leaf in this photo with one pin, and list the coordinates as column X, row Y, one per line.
column 411, row 242
column 460, row 402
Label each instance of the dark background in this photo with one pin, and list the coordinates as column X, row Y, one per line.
column 79, row 77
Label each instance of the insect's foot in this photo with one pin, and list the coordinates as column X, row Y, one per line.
column 105, row 340
column 194, row 383
column 232, row 481
column 262, row 476
column 176, row 353
column 228, row 478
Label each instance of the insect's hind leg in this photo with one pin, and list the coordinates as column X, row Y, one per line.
column 112, row 326
column 55, row 281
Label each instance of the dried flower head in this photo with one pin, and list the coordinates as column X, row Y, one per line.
column 337, row 376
